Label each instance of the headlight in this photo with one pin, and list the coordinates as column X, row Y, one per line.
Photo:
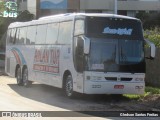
column 139, row 79
column 93, row 78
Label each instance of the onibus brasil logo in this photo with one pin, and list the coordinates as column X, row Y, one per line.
column 10, row 10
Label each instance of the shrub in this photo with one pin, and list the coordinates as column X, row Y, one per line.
column 153, row 35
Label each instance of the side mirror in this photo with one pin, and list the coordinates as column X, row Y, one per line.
column 152, row 49
column 80, row 45
column 79, row 54
column 84, row 43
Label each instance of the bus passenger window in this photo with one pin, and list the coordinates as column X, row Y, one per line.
column 41, row 34
column 52, row 33
column 22, row 35
column 31, row 35
column 65, row 31
column 12, row 37
column 17, row 35
column 8, row 36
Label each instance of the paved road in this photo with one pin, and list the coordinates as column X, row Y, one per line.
column 37, row 98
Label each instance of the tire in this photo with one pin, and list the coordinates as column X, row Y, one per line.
column 18, row 77
column 25, row 80
column 69, row 87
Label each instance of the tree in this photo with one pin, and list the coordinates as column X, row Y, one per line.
column 149, row 20
column 2, row 7
column 25, row 16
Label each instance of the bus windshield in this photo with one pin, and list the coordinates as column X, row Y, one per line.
column 116, row 55
column 116, row 45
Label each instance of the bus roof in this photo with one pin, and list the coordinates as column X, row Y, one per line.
column 87, row 14
column 65, row 16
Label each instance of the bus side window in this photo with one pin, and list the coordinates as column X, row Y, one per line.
column 8, row 36
column 65, row 32
column 79, row 27
column 41, row 34
column 21, row 40
column 52, row 33
column 17, row 35
column 12, row 36
column 31, row 35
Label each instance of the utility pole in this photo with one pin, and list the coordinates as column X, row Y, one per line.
column 115, row 6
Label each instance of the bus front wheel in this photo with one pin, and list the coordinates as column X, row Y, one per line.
column 18, row 77
column 69, row 87
column 25, row 80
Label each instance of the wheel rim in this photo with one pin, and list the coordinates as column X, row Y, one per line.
column 18, row 76
column 25, row 77
column 69, row 86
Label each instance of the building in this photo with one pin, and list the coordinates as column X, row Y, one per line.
column 125, row 7
column 49, row 7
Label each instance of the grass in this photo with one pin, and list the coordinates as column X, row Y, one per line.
column 148, row 91
column 152, row 90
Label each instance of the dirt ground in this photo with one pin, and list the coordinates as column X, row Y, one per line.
column 148, row 103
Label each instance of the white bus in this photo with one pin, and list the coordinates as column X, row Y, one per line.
column 85, row 53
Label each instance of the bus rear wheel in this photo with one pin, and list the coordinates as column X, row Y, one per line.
column 69, row 87
column 18, row 77
column 25, row 80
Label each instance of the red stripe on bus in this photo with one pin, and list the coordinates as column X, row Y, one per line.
column 46, row 68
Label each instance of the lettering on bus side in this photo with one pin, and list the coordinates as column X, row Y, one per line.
column 47, row 60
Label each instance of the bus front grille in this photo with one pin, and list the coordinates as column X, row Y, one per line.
column 111, row 78
column 126, row 79
column 116, row 79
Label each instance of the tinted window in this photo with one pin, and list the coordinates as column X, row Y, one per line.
column 31, row 35
column 114, row 28
column 52, row 33
column 110, row 55
column 12, row 36
column 65, row 31
column 41, row 34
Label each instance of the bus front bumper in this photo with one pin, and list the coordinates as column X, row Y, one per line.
column 114, row 83
column 92, row 87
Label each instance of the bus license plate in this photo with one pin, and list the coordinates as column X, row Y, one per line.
column 118, row 86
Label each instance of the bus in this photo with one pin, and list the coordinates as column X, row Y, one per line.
column 79, row 52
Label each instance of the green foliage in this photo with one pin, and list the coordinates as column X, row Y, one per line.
column 153, row 35
column 148, row 91
column 149, row 20
column 4, row 22
column 2, row 7
column 142, row 16
column 133, row 97
column 152, row 90
column 25, row 16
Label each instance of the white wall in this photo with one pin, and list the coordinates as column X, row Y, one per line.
column 31, row 6
column 122, row 5
column 22, row 6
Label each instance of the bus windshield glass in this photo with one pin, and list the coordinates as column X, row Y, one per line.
column 116, row 45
